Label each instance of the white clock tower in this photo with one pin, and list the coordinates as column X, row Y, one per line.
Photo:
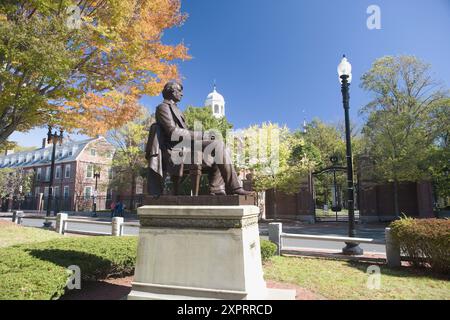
column 216, row 102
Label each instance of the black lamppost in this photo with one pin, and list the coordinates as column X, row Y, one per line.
column 345, row 76
column 52, row 138
column 96, row 176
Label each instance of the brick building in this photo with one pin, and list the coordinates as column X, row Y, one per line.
column 74, row 182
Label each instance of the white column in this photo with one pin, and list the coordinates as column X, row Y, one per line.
column 117, row 226
column 17, row 216
column 392, row 250
column 60, row 224
column 275, row 230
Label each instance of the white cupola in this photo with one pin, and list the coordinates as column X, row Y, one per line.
column 217, row 103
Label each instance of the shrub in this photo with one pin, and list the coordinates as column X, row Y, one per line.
column 268, row 250
column 24, row 277
column 425, row 241
column 38, row 271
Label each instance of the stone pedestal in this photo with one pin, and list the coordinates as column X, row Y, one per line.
column 200, row 252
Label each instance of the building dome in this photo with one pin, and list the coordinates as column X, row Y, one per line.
column 216, row 101
column 215, row 96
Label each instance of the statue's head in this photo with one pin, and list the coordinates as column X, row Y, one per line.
column 173, row 91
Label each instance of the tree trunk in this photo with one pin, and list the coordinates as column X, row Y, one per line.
column 396, row 205
column 275, row 213
column 133, row 190
column 6, row 131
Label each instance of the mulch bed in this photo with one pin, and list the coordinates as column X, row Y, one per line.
column 110, row 289
column 117, row 289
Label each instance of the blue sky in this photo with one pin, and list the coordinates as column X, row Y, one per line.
column 273, row 59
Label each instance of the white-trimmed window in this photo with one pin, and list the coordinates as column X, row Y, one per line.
column 58, row 172
column 87, row 192
column 37, row 190
column 67, row 171
column 66, row 192
column 56, row 192
column 93, row 152
column 90, row 171
column 47, row 174
column 39, row 174
column 110, row 173
column 46, row 191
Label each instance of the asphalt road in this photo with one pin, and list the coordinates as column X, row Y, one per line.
column 330, row 229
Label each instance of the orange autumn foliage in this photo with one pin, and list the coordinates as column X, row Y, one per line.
column 126, row 59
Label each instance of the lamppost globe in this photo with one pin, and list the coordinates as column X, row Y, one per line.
column 345, row 69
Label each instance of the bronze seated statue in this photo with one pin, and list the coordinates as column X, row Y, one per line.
column 174, row 150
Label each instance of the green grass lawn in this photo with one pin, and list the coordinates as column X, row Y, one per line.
column 343, row 280
column 12, row 234
column 32, row 267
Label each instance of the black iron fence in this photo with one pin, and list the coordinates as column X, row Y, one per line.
column 107, row 203
column 71, row 204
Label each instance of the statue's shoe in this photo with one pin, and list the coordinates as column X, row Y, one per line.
column 218, row 193
column 242, row 192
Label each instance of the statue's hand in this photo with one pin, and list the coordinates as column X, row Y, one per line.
column 211, row 135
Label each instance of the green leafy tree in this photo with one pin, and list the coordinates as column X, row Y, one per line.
column 205, row 116
column 438, row 162
column 399, row 132
column 15, row 183
column 278, row 158
column 327, row 140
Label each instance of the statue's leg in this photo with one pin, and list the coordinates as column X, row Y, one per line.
column 217, row 154
column 216, row 183
column 176, row 181
column 155, row 183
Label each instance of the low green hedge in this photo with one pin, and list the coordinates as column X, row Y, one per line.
column 268, row 250
column 38, row 271
column 425, row 241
